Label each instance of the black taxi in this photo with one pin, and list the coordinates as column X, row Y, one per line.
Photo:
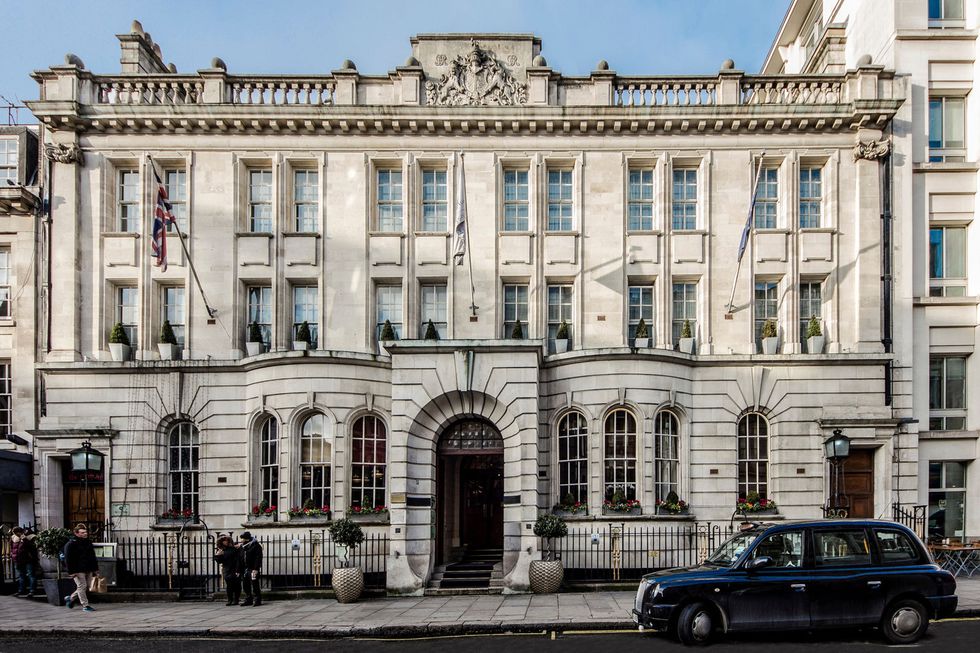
column 802, row 575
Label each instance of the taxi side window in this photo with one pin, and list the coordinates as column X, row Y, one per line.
column 841, row 547
column 896, row 546
column 785, row 549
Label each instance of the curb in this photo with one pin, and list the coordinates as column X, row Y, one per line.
column 407, row 631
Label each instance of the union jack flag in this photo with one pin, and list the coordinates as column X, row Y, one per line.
column 163, row 215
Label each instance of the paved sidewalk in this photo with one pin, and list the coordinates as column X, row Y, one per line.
column 386, row 617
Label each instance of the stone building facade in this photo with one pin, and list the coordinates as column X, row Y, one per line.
column 594, row 201
column 19, row 213
column 936, row 138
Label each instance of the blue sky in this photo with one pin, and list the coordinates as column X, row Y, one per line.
column 634, row 36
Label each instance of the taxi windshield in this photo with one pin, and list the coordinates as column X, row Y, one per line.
column 729, row 552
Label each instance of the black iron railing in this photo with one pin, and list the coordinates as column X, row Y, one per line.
column 911, row 515
column 623, row 551
column 185, row 563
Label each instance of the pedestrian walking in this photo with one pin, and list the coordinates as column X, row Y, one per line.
column 251, row 568
column 82, row 566
column 23, row 552
column 229, row 557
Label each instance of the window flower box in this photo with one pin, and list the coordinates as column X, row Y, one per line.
column 672, row 506
column 753, row 504
column 376, row 515
column 176, row 518
column 262, row 513
column 620, row 506
column 309, row 514
column 570, row 509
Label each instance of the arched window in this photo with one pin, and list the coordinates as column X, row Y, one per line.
column 182, row 467
column 314, row 463
column 269, row 462
column 619, row 436
column 573, row 459
column 367, row 475
column 753, row 455
column 666, row 427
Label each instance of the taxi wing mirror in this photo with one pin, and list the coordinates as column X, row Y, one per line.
column 758, row 563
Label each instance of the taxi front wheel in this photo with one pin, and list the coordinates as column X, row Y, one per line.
column 695, row 624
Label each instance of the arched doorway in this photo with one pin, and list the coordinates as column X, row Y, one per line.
column 470, row 486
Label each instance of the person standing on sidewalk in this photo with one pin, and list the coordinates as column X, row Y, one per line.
column 23, row 552
column 230, row 558
column 82, row 565
column 252, row 566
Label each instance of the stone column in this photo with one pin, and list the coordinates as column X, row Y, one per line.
column 866, row 222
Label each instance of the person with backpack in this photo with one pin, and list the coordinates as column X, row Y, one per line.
column 82, row 565
column 229, row 557
column 251, row 566
column 23, row 553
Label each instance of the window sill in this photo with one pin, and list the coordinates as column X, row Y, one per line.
column 289, row 234
column 817, row 230
column 773, row 230
column 950, row 435
column 443, row 234
column 501, row 232
column 120, row 234
column 946, row 301
column 560, row 233
column 254, row 234
column 388, row 234
column 688, row 232
column 7, row 322
column 945, row 166
column 160, row 526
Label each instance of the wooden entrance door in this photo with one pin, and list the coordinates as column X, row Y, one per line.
column 859, row 482
column 481, row 504
column 82, row 508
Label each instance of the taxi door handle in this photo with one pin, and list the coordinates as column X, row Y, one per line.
column 874, row 584
column 798, row 587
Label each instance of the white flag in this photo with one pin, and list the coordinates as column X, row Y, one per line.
column 459, row 236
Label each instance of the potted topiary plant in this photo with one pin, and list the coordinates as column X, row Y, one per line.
column 50, row 543
column 302, row 340
column 517, row 333
column 561, row 338
column 254, row 344
column 545, row 575
column 168, row 342
column 641, row 339
column 671, row 505
column 387, row 333
column 430, row 332
column 770, row 337
column 119, row 343
column 686, row 342
column 814, row 336
column 347, row 579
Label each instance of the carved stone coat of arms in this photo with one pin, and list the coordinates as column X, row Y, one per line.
column 476, row 79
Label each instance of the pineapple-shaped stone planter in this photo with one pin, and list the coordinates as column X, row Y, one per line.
column 348, row 583
column 546, row 576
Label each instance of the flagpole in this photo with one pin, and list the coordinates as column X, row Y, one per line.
column 750, row 225
column 212, row 312
column 469, row 254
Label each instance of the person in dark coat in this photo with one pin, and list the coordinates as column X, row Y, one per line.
column 82, row 565
column 23, row 553
column 230, row 558
column 251, row 567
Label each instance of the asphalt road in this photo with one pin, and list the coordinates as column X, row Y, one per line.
column 951, row 636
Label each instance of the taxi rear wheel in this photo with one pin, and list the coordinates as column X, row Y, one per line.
column 904, row 622
column 695, row 624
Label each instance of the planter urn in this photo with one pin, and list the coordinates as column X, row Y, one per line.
column 119, row 351
column 686, row 345
column 641, row 343
column 167, row 351
column 347, row 583
column 770, row 346
column 253, row 348
column 814, row 344
column 300, row 345
column 369, row 517
column 561, row 346
column 545, row 576
column 56, row 589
